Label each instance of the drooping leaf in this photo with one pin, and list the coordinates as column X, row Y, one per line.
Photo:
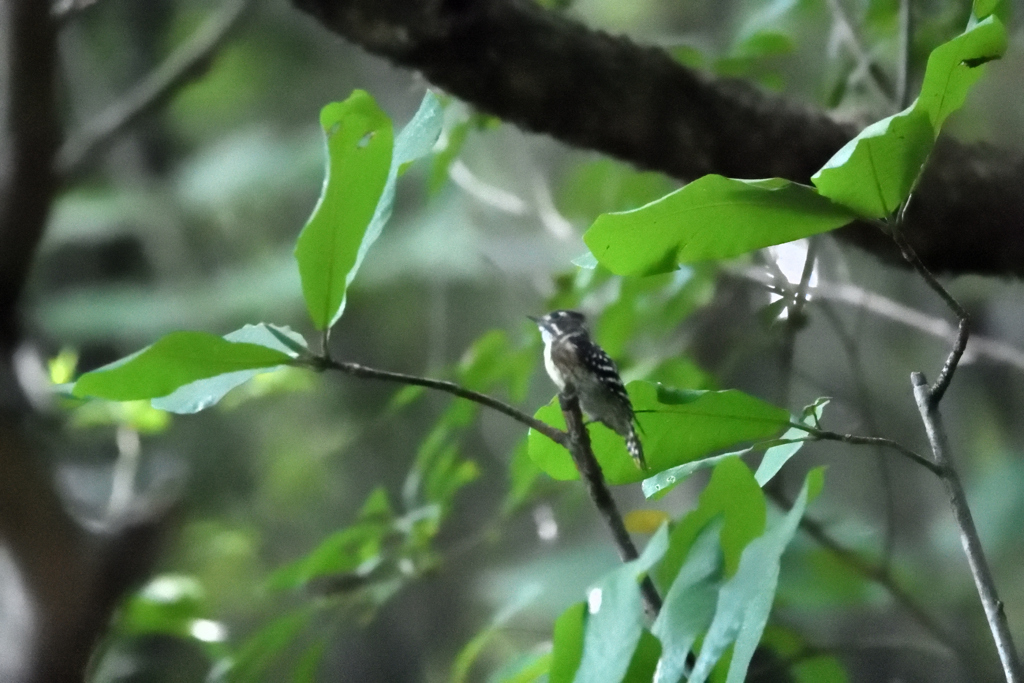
column 745, row 600
column 689, row 604
column 260, row 650
column 874, row 172
column 777, row 456
column 711, row 218
column 616, row 617
column 644, row 661
column 662, row 482
column 732, row 494
column 954, row 66
column 177, row 359
column 567, row 643
column 359, row 149
column 356, row 548
column 199, row 395
column 676, row 427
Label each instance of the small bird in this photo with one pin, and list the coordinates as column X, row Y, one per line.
column 576, row 364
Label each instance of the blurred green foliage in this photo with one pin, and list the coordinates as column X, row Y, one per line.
column 321, row 507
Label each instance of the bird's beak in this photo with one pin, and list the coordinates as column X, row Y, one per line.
column 534, row 318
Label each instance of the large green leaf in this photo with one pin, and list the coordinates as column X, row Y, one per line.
column 178, row 359
column 745, row 601
column 689, row 604
column 677, row 426
column 874, row 172
column 199, row 395
column 616, row 617
column 711, row 218
column 955, row 65
column 359, row 145
column 346, row 223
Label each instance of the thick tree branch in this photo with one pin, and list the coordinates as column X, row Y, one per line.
column 545, row 73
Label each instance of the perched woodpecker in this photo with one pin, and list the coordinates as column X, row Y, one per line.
column 576, row 364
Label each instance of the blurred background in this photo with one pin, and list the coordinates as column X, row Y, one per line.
column 187, row 219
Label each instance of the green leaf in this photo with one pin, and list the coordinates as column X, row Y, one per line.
column 677, row 427
column 711, row 218
column 306, row 669
column 355, row 548
column 567, row 643
column 358, row 195
column 168, row 605
column 689, row 604
column 616, row 617
column 260, row 650
column 662, row 482
column 874, row 172
column 644, row 661
column 359, row 148
column 178, row 359
column 745, row 601
column 199, row 395
column 953, row 67
column 983, row 8
column 733, row 494
column 530, row 668
column 777, row 456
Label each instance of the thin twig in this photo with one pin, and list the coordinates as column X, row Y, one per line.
column 590, row 471
column 993, row 606
column 357, row 370
column 183, row 65
column 854, row 439
column 937, row 390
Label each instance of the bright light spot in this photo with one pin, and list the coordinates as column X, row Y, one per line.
column 547, row 527
column 790, row 258
column 171, row 588
column 594, row 600
column 208, row 631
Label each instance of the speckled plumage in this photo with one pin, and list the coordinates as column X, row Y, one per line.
column 577, row 364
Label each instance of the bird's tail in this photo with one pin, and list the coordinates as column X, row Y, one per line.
column 635, row 448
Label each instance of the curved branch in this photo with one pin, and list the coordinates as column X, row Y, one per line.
column 546, row 73
column 357, row 370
